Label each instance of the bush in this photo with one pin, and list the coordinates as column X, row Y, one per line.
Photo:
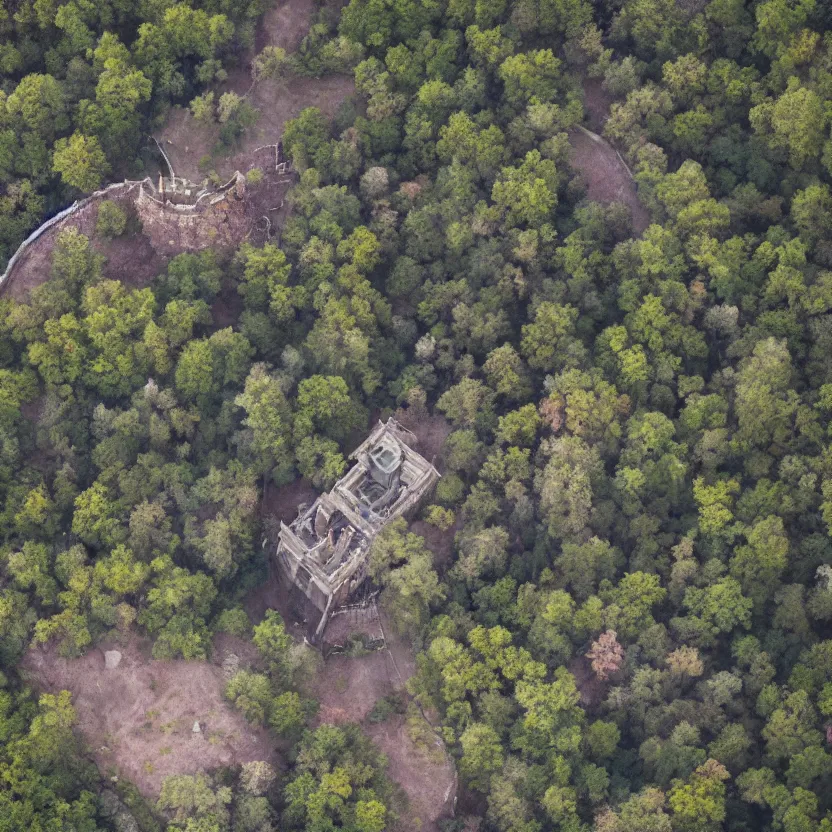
column 234, row 622
column 254, row 176
column 450, row 490
column 395, row 703
column 112, row 220
column 252, row 694
column 442, row 518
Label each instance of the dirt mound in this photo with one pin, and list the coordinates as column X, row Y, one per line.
column 138, row 258
column 138, row 719
column 605, row 174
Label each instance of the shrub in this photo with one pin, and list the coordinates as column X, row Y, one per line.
column 234, row 622
column 442, row 518
column 112, row 220
column 450, row 489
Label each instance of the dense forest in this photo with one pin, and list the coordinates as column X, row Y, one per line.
column 634, row 632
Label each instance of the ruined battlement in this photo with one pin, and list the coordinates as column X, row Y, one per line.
column 323, row 553
column 176, row 215
column 182, row 216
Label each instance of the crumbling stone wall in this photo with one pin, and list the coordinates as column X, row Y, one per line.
column 218, row 221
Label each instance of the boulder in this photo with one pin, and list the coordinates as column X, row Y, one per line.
column 196, row 729
column 112, row 659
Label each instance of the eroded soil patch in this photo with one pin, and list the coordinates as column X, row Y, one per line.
column 137, row 719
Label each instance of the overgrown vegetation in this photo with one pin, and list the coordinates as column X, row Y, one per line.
column 634, row 631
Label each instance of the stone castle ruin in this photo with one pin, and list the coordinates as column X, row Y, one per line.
column 323, row 554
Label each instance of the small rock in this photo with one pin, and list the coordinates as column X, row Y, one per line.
column 196, row 729
column 112, row 659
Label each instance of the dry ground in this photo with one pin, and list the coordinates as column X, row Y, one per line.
column 431, row 433
column 597, row 102
column 427, row 778
column 130, row 258
column 186, row 142
column 348, row 687
column 285, row 25
column 604, row 173
column 138, row 718
column 606, row 176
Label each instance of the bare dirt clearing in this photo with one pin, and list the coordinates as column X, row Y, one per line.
column 349, row 686
column 186, row 142
column 137, row 719
column 427, row 777
column 431, row 431
column 130, row 258
column 606, row 176
column 604, row 172
column 285, row 25
column 597, row 102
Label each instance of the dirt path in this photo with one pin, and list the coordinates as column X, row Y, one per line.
column 137, row 719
